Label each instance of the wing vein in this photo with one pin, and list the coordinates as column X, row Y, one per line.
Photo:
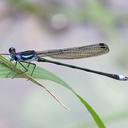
column 76, row 52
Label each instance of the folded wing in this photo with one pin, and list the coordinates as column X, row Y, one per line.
column 76, row 52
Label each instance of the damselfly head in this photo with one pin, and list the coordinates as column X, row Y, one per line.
column 12, row 50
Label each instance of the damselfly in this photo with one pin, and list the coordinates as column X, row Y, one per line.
column 67, row 53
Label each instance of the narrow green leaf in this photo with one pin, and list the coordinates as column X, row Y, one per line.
column 40, row 73
column 95, row 116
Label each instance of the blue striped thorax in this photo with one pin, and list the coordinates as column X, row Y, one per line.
column 26, row 56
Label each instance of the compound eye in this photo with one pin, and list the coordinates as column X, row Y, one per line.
column 12, row 50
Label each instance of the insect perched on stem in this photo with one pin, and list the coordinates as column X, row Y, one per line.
column 67, row 53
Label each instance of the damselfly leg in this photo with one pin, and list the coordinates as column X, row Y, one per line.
column 29, row 63
column 24, row 67
column 13, row 69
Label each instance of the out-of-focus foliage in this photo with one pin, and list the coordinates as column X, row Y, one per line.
column 52, row 23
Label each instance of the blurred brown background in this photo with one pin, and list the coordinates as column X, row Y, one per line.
column 50, row 24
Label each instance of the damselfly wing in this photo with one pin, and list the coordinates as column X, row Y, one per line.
column 76, row 52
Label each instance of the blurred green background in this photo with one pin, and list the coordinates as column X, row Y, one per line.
column 50, row 24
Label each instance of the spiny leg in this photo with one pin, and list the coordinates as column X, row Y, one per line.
column 33, row 68
column 29, row 65
column 21, row 72
column 23, row 67
column 26, row 70
column 13, row 69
